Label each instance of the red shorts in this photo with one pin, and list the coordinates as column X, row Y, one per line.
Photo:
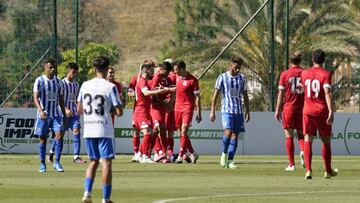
column 292, row 121
column 183, row 117
column 170, row 120
column 311, row 124
column 141, row 121
column 157, row 117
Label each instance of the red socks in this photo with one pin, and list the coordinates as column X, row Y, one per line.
column 136, row 143
column 301, row 142
column 146, row 144
column 182, row 145
column 170, row 145
column 308, row 154
column 188, row 145
column 290, row 150
column 326, row 154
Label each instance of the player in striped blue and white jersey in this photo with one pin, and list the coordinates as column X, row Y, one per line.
column 232, row 85
column 49, row 101
column 72, row 121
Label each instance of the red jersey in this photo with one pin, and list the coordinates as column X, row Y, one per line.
column 314, row 80
column 118, row 87
column 172, row 77
column 157, row 81
column 186, row 89
column 132, row 84
column 294, row 92
column 142, row 102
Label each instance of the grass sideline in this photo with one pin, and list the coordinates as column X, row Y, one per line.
column 259, row 179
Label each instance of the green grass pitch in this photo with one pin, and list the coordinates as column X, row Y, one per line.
column 259, row 179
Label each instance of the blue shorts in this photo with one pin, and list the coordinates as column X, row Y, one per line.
column 54, row 124
column 234, row 122
column 72, row 122
column 100, row 148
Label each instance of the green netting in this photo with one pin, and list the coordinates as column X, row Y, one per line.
column 194, row 31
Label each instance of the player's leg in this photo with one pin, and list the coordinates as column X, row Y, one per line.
column 232, row 150
column 107, row 154
column 226, row 139
column 94, row 156
column 136, row 145
column 146, row 144
column 56, row 125
column 163, row 143
column 186, row 123
column 178, row 126
column 325, row 135
column 309, row 126
column 75, row 126
column 42, row 129
column 237, row 127
column 300, row 136
column 170, row 127
column 52, row 149
column 290, row 148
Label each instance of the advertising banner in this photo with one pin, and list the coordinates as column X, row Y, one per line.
column 264, row 135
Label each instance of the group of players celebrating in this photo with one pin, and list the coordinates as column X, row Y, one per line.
column 166, row 96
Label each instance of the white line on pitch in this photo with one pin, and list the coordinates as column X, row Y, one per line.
column 244, row 195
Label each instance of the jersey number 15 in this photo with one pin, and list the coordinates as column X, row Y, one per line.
column 296, row 87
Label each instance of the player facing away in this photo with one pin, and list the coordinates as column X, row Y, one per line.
column 291, row 90
column 97, row 97
column 141, row 117
column 317, row 112
column 232, row 85
column 72, row 120
column 49, row 101
column 187, row 99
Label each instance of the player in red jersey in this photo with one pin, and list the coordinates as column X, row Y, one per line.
column 318, row 111
column 291, row 89
column 187, row 98
column 111, row 78
column 158, row 110
column 131, row 93
column 141, row 117
column 170, row 115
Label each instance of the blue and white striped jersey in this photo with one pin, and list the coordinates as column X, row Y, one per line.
column 49, row 95
column 232, row 88
column 71, row 91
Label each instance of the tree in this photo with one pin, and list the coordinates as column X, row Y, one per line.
column 200, row 34
column 86, row 56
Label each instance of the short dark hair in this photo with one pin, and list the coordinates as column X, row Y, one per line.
column 167, row 66
column 180, row 64
column 50, row 60
column 101, row 62
column 146, row 66
column 72, row 65
column 237, row 60
column 295, row 58
column 318, row 56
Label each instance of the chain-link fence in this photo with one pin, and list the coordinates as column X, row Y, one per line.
column 194, row 31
